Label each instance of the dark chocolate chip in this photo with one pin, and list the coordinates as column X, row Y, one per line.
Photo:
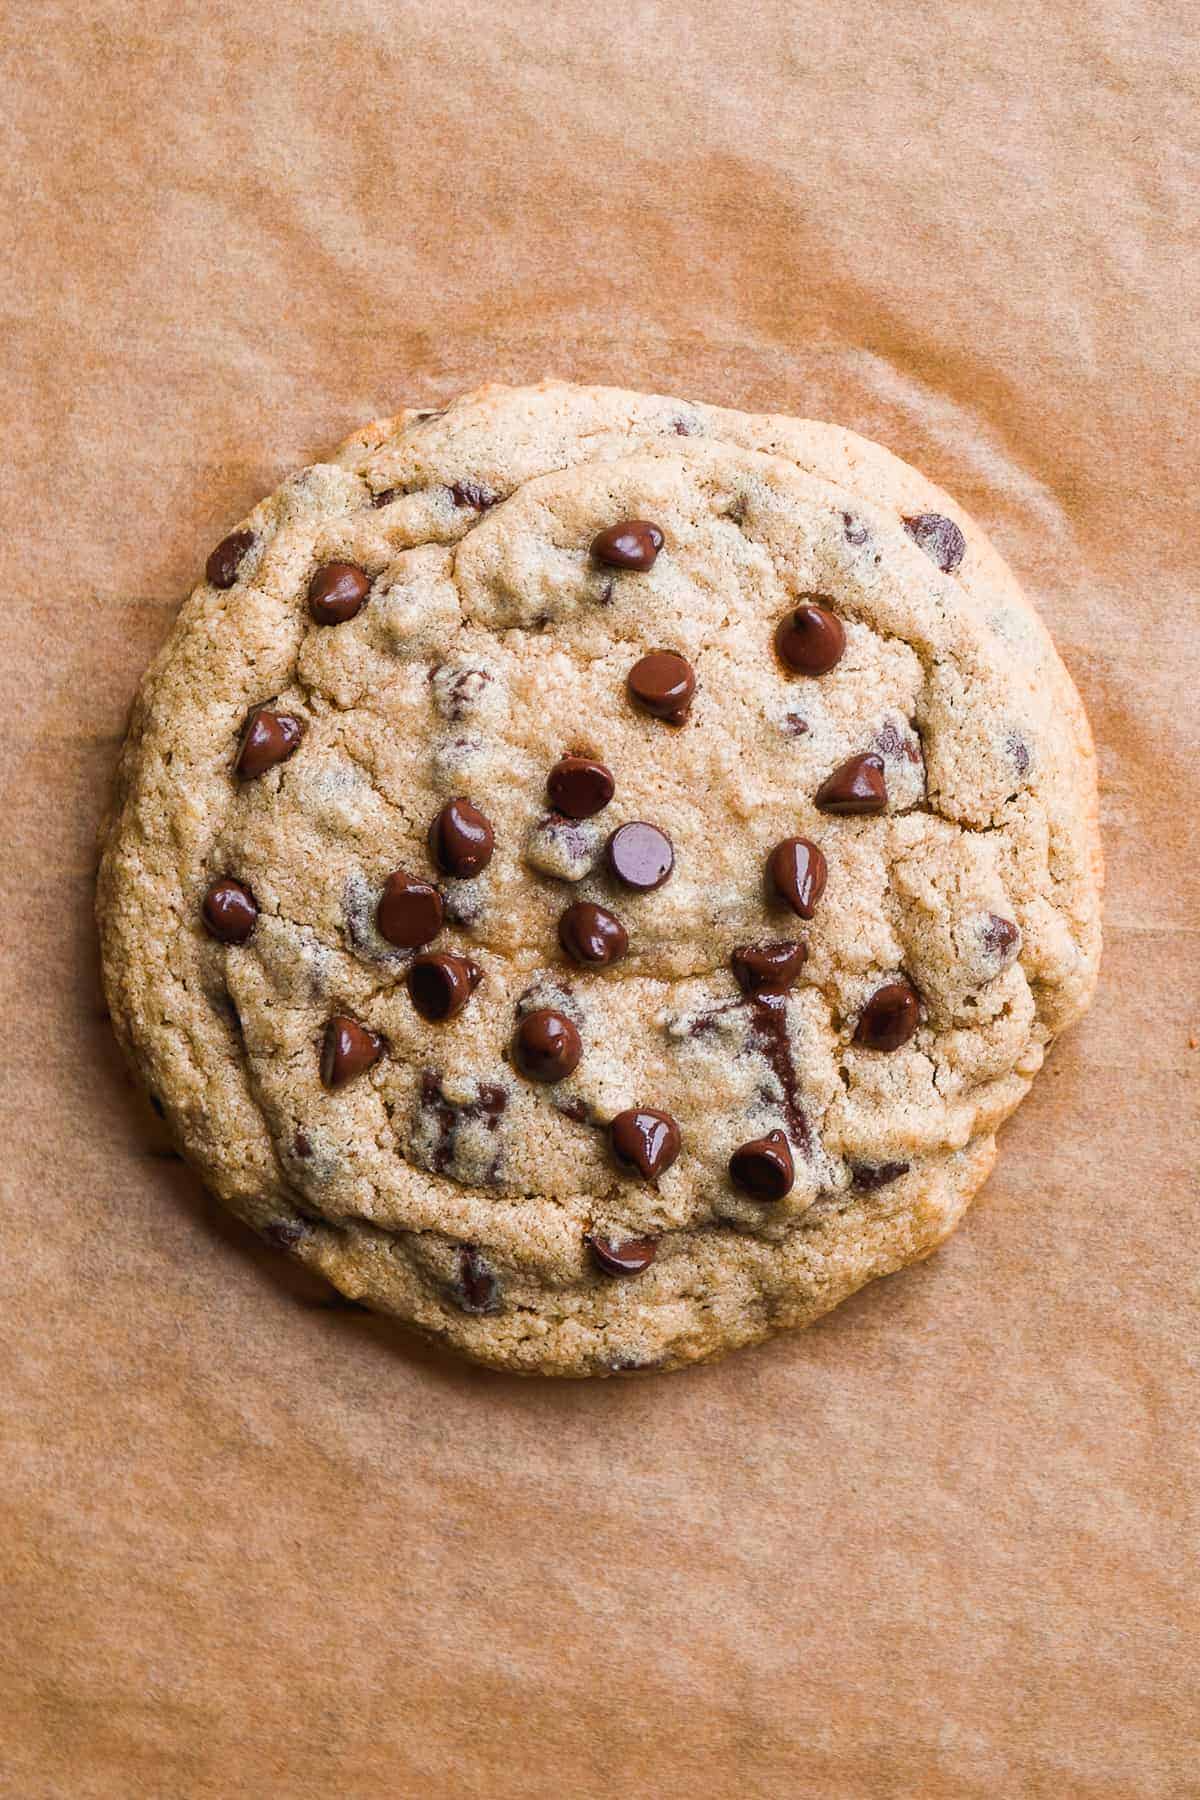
column 640, row 856
column 461, row 839
column 889, row 1018
column 268, row 738
column 592, row 935
column 856, row 532
column 410, row 912
column 473, row 494
column 797, row 871
column 578, row 787
column 628, row 1256
column 758, row 966
column 644, row 1142
column 763, row 1168
column 546, row 1047
column 629, row 544
column 664, row 685
column 811, row 639
column 1001, row 938
column 348, row 1050
column 223, row 565
column 302, row 1144
column 230, row 911
column 284, row 1234
column 940, row 539
column 856, row 786
column 440, row 984
column 869, row 1176
column 477, row 1289
column 336, row 592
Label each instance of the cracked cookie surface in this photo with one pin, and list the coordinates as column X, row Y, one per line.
column 590, row 872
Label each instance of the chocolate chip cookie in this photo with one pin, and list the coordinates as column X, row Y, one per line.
column 591, row 872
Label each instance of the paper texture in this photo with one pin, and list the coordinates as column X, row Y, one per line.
column 945, row 1543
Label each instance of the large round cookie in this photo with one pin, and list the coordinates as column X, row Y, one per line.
column 764, row 1056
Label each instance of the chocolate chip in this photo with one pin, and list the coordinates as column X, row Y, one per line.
column 578, row 787
column 336, row 592
column 856, row 786
column 889, row 1018
column 410, row 912
column 940, row 539
column 640, row 856
column 869, row 1176
column 230, row 911
column 477, row 1289
column 644, row 1142
column 384, row 497
column 302, row 1144
column 776, row 965
column 797, row 871
column 592, row 935
column 474, row 495
column 629, row 544
column 626, row 1257
column 348, row 1050
column 855, row 531
column 663, row 685
column 1018, row 751
column 283, row 1234
column 794, row 725
column 1001, row 938
column 223, row 565
column 546, row 1047
column 763, row 1168
column 461, row 839
column 440, row 984
column 268, row 738
column 811, row 639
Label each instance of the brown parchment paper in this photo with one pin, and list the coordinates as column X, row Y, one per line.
column 945, row 1543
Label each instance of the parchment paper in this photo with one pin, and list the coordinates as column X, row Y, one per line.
column 945, row 1543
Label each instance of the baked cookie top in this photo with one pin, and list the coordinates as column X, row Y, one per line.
column 591, row 872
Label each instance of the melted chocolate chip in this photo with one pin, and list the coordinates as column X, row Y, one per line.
column 410, row 912
column 889, row 1018
column 230, row 911
column 767, row 965
column 869, row 1176
column 628, row 1256
column 855, row 531
column 348, row 1049
column 223, row 565
column 940, row 539
column 477, row 1290
column 763, row 1168
column 811, row 639
column 1001, row 938
column 461, row 839
column 268, row 738
column 592, row 935
column 629, row 544
column 450, row 1114
column 440, row 984
column 474, row 495
column 579, row 788
column 284, row 1234
column 797, row 871
column 640, row 856
column 664, row 685
column 769, row 1036
column 336, row 592
column 546, row 1046
column 891, row 740
column 644, row 1142
column 856, row 786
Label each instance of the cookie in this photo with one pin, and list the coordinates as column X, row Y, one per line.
column 590, row 872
